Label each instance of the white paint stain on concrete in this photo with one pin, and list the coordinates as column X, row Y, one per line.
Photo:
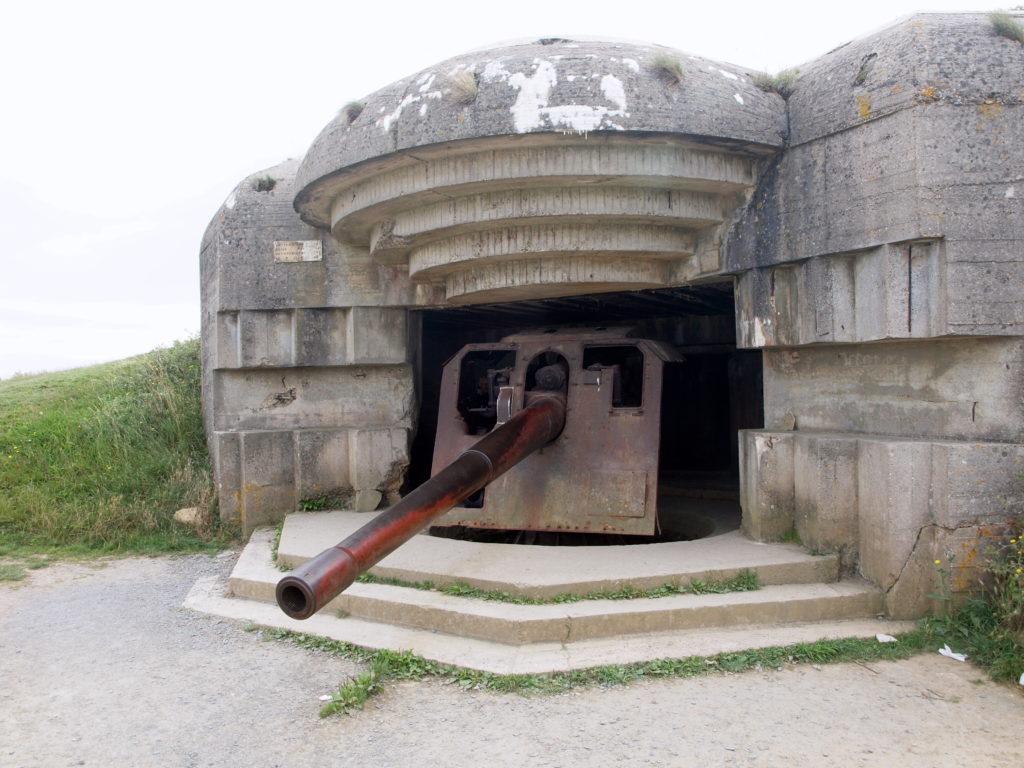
column 633, row 64
column 232, row 198
column 579, row 117
column 534, row 91
column 612, row 89
column 494, row 70
column 728, row 75
column 1011, row 192
column 738, row 97
column 426, row 81
column 532, row 110
column 388, row 120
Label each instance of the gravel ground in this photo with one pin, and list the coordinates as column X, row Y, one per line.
column 100, row 666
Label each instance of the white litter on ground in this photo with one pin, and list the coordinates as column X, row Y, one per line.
column 947, row 651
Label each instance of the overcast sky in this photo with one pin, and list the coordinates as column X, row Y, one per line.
column 127, row 123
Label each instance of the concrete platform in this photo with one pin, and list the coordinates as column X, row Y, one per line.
column 800, row 601
column 215, row 596
column 255, row 577
column 534, row 571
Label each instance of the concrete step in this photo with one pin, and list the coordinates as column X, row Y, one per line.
column 800, row 600
column 255, row 577
column 535, row 571
column 214, row 596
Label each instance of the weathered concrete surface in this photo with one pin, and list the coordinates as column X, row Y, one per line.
column 544, row 215
column 890, row 506
column 968, row 389
column 307, row 364
column 893, row 215
column 911, row 133
column 767, row 484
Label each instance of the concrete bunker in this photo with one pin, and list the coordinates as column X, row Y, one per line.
column 858, row 242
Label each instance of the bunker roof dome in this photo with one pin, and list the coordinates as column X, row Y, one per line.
column 550, row 86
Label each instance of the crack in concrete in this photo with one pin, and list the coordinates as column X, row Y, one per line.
column 917, row 542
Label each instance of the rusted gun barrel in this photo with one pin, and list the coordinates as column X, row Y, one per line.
column 313, row 584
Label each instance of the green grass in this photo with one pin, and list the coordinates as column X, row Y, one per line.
column 791, row 537
column 989, row 628
column 384, row 665
column 978, row 631
column 668, row 68
column 744, row 581
column 12, row 572
column 1006, row 25
column 96, row 460
column 264, row 183
column 352, row 695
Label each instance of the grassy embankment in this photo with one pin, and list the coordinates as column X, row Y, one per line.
column 96, row 461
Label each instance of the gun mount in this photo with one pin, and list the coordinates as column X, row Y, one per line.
column 590, row 400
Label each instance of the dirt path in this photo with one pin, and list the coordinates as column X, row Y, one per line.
column 100, row 666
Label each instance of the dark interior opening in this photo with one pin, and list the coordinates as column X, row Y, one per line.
column 714, row 392
column 626, row 365
column 481, row 375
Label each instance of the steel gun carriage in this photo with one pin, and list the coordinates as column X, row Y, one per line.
column 586, row 408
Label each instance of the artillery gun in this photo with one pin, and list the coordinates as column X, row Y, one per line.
column 554, row 431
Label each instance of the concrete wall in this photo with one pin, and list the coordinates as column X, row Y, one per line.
column 880, row 270
column 308, row 356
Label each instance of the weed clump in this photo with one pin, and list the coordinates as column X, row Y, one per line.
column 337, row 499
column 990, row 627
column 1006, row 25
column 667, row 68
column 781, row 83
column 352, row 111
column 352, row 695
column 264, row 183
column 464, row 87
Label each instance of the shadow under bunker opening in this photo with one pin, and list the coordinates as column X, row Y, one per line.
column 707, row 397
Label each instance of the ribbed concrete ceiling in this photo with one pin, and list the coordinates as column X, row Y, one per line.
column 703, row 300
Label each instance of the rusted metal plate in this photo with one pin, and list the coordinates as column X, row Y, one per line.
column 600, row 475
column 617, row 493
